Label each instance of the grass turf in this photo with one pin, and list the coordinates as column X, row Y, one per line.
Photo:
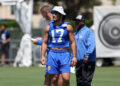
column 34, row 76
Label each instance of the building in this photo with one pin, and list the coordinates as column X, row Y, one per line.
column 38, row 21
column 6, row 12
column 107, row 2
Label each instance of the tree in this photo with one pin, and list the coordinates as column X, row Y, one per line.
column 73, row 7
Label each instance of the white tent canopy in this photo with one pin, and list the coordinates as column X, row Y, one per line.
column 23, row 11
column 10, row 2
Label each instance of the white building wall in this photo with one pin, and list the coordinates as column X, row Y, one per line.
column 106, row 2
column 5, row 13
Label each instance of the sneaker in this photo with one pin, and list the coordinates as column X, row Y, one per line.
column 72, row 69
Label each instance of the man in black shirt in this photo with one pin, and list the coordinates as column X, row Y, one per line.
column 4, row 41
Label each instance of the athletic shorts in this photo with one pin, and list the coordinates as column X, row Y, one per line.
column 5, row 49
column 58, row 61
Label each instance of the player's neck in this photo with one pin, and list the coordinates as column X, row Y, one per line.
column 80, row 27
column 58, row 22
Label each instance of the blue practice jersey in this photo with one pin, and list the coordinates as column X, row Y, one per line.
column 85, row 41
column 58, row 35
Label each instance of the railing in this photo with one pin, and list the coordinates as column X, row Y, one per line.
column 14, row 46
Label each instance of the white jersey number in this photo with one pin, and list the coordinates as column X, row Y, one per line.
column 53, row 35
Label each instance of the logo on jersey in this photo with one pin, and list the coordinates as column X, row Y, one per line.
column 89, row 38
column 80, row 37
column 49, row 67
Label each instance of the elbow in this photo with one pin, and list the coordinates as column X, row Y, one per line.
column 44, row 43
column 73, row 43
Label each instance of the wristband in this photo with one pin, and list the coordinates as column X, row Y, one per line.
column 43, row 56
column 39, row 42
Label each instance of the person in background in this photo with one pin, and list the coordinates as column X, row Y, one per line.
column 57, row 37
column 5, row 39
column 45, row 11
column 37, row 41
column 86, row 52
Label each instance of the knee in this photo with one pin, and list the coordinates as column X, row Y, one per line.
column 47, row 76
column 66, row 79
column 47, row 80
column 55, row 79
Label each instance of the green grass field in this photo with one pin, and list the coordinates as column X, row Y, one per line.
column 34, row 76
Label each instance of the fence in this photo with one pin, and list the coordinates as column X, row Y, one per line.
column 16, row 35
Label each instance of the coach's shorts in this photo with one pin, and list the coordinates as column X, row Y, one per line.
column 58, row 61
column 5, row 50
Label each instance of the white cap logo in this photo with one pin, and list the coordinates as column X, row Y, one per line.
column 79, row 17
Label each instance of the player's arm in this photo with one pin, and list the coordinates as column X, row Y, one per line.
column 44, row 44
column 37, row 41
column 90, row 43
column 73, row 44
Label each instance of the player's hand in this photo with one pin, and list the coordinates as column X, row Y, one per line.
column 39, row 38
column 85, row 60
column 74, row 61
column 43, row 60
column 33, row 40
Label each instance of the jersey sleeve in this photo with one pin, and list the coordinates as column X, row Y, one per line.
column 90, row 43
